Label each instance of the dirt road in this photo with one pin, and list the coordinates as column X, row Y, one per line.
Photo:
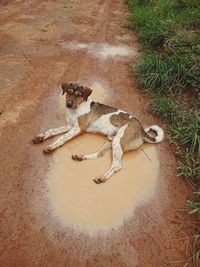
column 51, row 213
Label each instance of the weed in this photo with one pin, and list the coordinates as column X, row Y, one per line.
column 195, row 205
column 167, row 109
column 171, row 74
column 169, row 69
column 190, row 169
column 184, row 125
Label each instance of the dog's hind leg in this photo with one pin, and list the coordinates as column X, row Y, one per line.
column 97, row 154
column 117, row 153
column 51, row 132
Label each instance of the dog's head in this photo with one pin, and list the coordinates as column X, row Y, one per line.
column 75, row 94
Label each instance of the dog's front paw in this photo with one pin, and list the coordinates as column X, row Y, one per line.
column 38, row 139
column 48, row 149
column 77, row 157
column 99, row 180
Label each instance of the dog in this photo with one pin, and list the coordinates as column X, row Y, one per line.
column 124, row 132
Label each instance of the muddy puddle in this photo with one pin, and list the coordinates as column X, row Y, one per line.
column 99, row 93
column 80, row 203
column 101, row 50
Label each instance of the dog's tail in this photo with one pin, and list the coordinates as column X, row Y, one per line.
column 158, row 138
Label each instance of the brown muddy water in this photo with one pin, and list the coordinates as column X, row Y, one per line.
column 80, row 203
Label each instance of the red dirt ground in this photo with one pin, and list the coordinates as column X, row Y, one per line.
column 33, row 62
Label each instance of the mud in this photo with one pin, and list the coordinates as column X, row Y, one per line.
column 102, row 51
column 81, row 204
column 48, row 219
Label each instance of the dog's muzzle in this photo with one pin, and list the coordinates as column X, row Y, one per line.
column 69, row 104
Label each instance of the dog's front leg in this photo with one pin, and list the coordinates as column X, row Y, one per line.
column 63, row 139
column 51, row 132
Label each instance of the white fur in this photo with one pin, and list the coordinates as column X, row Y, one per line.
column 158, row 130
column 63, row 139
column 55, row 131
column 103, row 125
column 99, row 153
column 83, row 108
column 117, row 153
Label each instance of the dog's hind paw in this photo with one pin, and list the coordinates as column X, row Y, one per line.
column 77, row 157
column 38, row 139
column 99, row 180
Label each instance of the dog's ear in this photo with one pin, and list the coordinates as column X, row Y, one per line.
column 86, row 91
column 65, row 86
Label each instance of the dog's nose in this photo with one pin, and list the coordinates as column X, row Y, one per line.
column 69, row 103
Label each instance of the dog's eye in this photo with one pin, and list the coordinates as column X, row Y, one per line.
column 78, row 94
column 70, row 91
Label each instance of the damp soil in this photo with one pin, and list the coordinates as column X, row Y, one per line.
column 52, row 213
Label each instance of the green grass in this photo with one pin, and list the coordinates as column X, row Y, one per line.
column 169, row 69
column 152, row 32
column 169, row 32
column 170, row 74
column 183, row 123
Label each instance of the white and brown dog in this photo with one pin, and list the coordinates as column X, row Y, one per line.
column 124, row 132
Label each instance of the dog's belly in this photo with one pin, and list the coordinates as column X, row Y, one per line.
column 102, row 126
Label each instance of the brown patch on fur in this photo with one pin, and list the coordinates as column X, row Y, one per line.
column 133, row 136
column 79, row 100
column 83, row 121
column 67, row 86
column 86, row 91
column 118, row 120
column 101, row 109
column 97, row 110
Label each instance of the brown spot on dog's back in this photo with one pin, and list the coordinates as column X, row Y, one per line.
column 120, row 119
column 101, row 109
column 97, row 110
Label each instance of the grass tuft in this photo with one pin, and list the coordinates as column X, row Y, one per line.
column 184, row 125
column 169, row 69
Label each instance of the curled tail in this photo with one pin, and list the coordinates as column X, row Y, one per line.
column 158, row 138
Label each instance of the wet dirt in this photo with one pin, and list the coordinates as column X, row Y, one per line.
column 102, row 51
column 52, row 214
